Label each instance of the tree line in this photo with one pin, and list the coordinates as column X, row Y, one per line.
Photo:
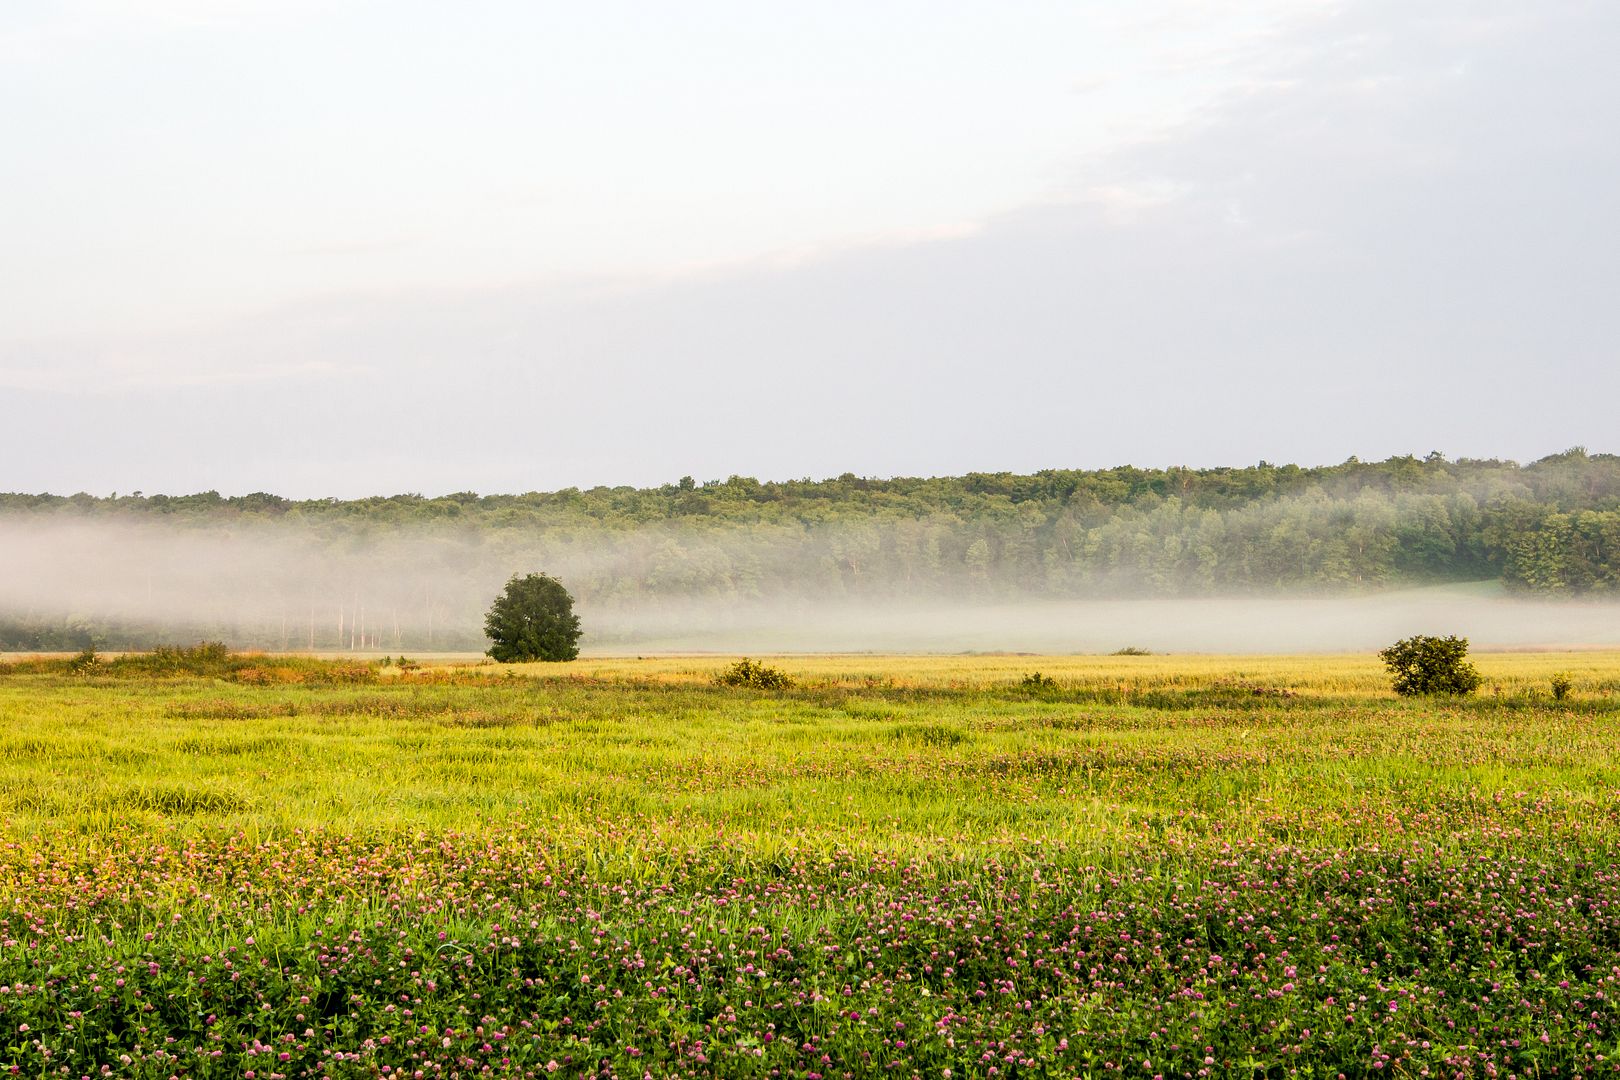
column 425, row 567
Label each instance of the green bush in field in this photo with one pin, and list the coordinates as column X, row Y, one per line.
column 533, row 619
column 1430, row 665
column 1036, row 681
column 746, row 672
column 203, row 658
column 1562, row 684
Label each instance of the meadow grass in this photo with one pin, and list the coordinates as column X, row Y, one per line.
column 1595, row 671
column 898, row 865
column 896, row 752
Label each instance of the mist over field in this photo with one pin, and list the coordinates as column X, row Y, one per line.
column 1271, row 624
column 1266, row 557
column 136, row 583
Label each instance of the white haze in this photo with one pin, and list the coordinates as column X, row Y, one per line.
column 389, row 589
column 1271, row 624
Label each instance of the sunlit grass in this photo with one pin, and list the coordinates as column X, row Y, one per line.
column 863, row 752
column 896, row 866
column 1593, row 671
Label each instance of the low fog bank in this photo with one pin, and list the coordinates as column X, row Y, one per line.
column 68, row 583
column 1233, row 624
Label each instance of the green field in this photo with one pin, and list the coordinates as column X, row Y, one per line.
column 1176, row 866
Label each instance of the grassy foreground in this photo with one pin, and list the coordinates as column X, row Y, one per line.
column 1152, row 866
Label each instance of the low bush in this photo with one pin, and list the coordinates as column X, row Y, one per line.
column 1430, row 665
column 203, row 658
column 746, row 672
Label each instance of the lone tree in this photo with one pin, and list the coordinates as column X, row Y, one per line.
column 533, row 619
column 1431, row 665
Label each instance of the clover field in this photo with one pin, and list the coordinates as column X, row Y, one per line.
column 274, row 867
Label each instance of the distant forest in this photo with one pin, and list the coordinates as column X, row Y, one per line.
column 425, row 567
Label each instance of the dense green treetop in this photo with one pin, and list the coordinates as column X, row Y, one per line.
column 533, row 619
column 1574, row 480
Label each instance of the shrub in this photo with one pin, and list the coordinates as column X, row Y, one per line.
column 1132, row 650
column 747, row 673
column 1562, row 684
column 1430, row 665
column 203, row 658
column 1036, row 681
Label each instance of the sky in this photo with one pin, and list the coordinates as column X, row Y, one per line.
column 351, row 247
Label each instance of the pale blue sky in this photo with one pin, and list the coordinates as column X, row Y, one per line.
column 357, row 246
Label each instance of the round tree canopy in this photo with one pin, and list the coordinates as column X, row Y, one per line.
column 533, row 619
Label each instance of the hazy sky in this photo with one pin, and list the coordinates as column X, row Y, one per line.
column 356, row 246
